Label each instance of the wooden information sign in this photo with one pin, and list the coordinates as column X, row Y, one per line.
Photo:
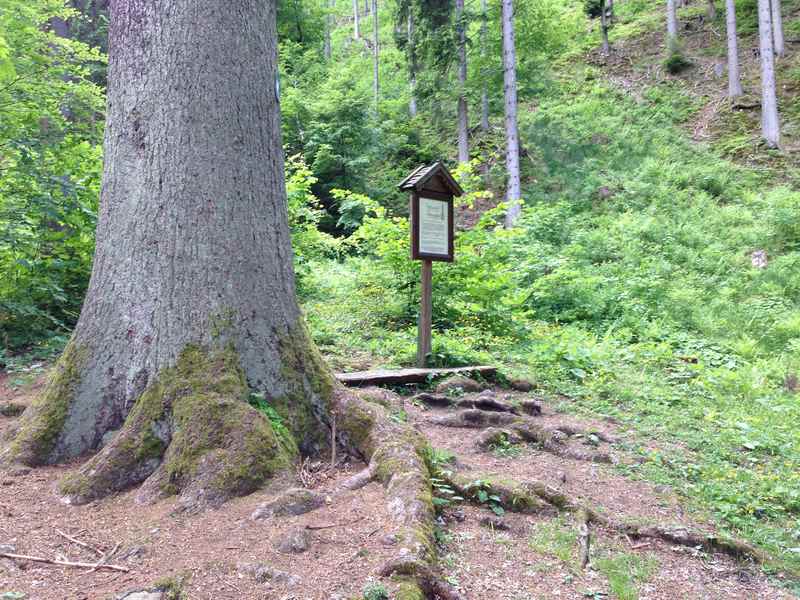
column 432, row 189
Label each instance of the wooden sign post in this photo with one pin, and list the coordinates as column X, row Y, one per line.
column 432, row 191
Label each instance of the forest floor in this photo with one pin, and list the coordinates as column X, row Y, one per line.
column 225, row 554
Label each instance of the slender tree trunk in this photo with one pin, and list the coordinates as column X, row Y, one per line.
column 604, row 27
column 610, row 5
column 484, row 85
column 734, row 79
column 672, row 22
column 412, row 65
column 356, row 32
column 328, row 27
column 770, row 123
column 777, row 27
column 375, row 53
column 463, row 120
column 366, row 7
column 712, row 10
column 514, row 192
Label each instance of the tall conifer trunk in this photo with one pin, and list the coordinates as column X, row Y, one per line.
column 734, row 79
column 514, row 192
column 770, row 123
column 463, row 119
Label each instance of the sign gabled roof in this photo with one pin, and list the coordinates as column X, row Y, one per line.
column 422, row 174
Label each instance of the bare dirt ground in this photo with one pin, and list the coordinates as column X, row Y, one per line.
column 216, row 552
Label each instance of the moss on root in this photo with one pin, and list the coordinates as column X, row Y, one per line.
column 408, row 589
column 42, row 423
column 196, row 416
column 306, row 401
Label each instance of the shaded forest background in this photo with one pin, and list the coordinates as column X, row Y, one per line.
column 654, row 277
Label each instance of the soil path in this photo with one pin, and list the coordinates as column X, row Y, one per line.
column 216, row 552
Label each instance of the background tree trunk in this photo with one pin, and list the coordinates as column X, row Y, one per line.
column 514, row 192
column 484, row 86
column 412, row 65
column 375, row 53
column 770, row 124
column 672, row 21
column 734, row 79
column 711, row 11
column 191, row 302
column 463, row 119
column 777, row 27
column 328, row 27
column 604, row 27
column 356, row 32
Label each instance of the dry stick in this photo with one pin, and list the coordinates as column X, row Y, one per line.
column 104, row 558
column 80, row 543
column 63, row 563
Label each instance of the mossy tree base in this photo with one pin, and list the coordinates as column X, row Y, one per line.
column 191, row 433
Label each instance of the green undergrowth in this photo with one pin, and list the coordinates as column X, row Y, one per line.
column 631, row 285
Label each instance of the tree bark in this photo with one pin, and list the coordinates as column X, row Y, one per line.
column 672, row 22
column 191, row 303
column 328, row 27
column 356, row 32
column 412, row 65
column 375, row 53
column 463, row 120
column 770, row 123
column 777, row 27
column 734, row 79
column 604, row 27
column 514, row 192
column 712, row 10
column 484, row 85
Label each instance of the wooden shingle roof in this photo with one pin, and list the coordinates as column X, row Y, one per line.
column 421, row 175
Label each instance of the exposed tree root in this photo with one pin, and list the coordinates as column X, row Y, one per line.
column 192, row 433
column 552, row 440
column 536, row 496
column 398, row 458
column 486, row 401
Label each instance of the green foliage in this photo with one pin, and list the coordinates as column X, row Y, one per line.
column 375, row 591
column 49, row 171
column 676, row 60
column 625, row 572
column 260, row 403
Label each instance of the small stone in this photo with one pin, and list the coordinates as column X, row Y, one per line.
column 494, row 523
column 8, row 549
column 263, row 573
column 295, row 541
column 133, row 553
column 390, row 539
column 460, row 383
column 142, row 595
column 562, row 476
column 292, row 502
column 19, row 471
column 458, row 515
column 13, row 596
column 758, row 258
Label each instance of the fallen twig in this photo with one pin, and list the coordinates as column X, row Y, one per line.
column 63, row 563
column 80, row 543
column 104, row 558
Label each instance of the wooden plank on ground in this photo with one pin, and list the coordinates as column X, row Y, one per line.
column 400, row 376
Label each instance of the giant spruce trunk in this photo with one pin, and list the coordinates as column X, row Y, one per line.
column 191, row 304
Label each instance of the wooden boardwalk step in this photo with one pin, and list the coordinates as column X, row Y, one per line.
column 400, row 376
